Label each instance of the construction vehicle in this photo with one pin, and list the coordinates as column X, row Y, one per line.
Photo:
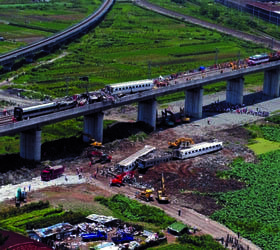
column 96, row 143
column 182, row 142
column 183, row 117
column 125, row 177
column 146, row 195
column 173, row 117
column 21, row 196
column 50, row 173
column 161, row 193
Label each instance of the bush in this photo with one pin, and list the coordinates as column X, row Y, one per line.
column 133, row 210
column 204, row 241
column 13, row 211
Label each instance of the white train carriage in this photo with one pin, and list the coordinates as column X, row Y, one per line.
column 129, row 163
column 129, row 87
column 197, row 149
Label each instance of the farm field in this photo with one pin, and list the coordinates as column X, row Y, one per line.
column 28, row 21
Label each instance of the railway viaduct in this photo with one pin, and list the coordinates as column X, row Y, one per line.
column 30, row 130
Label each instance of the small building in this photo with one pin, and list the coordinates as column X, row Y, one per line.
column 58, row 231
column 102, row 219
column 178, row 228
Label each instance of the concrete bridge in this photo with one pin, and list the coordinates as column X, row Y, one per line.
column 30, row 130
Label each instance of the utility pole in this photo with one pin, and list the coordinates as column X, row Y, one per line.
column 216, row 56
column 67, row 86
column 85, row 78
column 149, row 70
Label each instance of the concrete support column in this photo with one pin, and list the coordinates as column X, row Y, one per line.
column 193, row 102
column 271, row 85
column 147, row 112
column 234, row 93
column 30, row 144
column 93, row 127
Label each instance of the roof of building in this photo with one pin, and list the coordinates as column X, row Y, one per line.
column 102, row 219
column 177, row 227
column 16, row 241
column 54, row 229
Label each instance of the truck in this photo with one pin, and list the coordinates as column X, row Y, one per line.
column 122, row 238
column 98, row 235
column 50, row 173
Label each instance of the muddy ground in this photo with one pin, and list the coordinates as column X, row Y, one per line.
column 189, row 183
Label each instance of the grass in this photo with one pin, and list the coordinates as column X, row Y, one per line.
column 25, row 20
column 261, row 146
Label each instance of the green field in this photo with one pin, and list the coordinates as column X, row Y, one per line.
column 254, row 210
column 23, row 22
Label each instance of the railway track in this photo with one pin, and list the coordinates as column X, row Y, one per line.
column 59, row 37
column 4, row 120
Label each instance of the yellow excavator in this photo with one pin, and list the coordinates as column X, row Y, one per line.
column 182, row 142
column 161, row 193
column 146, row 195
column 95, row 143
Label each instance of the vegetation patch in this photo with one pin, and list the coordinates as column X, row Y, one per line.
column 261, row 146
column 253, row 211
column 132, row 210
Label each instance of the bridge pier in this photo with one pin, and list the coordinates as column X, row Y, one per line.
column 93, row 127
column 147, row 112
column 193, row 102
column 30, row 144
column 8, row 66
column 234, row 93
column 271, row 85
column 29, row 58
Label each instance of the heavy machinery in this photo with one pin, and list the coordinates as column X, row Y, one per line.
column 21, row 196
column 183, row 117
column 182, row 142
column 96, row 143
column 173, row 117
column 146, row 195
column 125, row 177
column 161, row 193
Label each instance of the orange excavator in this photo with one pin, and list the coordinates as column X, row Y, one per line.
column 182, row 142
